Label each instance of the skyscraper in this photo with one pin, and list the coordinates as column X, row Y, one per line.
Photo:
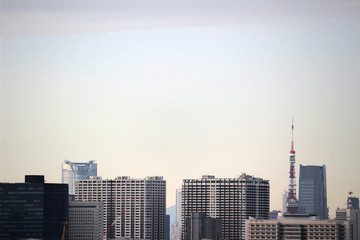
column 134, row 208
column 312, row 190
column 33, row 209
column 72, row 171
column 176, row 226
column 178, row 205
column 233, row 200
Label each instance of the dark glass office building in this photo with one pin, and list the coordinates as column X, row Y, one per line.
column 33, row 209
column 312, row 191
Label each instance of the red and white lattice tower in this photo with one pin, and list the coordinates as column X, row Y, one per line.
column 349, row 203
column 292, row 204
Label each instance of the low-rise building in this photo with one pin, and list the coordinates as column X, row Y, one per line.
column 297, row 226
column 86, row 220
column 351, row 215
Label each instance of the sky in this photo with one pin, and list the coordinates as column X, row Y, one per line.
column 181, row 89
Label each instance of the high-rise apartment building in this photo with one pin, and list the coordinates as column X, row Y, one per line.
column 33, row 209
column 233, row 200
column 86, row 220
column 312, row 191
column 72, row 171
column 133, row 208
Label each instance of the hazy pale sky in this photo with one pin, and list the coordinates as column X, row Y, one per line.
column 181, row 89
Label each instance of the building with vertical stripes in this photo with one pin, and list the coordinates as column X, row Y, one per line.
column 233, row 200
column 33, row 209
column 312, row 191
column 133, row 208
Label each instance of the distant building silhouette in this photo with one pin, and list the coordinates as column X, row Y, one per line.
column 312, row 191
column 178, row 204
column 175, row 232
column 233, row 200
column 284, row 201
column 33, row 209
column 274, row 214
column 167, row 227
column 72, row 171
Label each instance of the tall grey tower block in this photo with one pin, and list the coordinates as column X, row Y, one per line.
column 312, row 191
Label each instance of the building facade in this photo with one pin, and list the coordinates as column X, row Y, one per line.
column 72, row 171
column 33, row 209
column 352, row 215
column 199, row 226
column 352, row 202
column 233, row 200
column 86, row 220
column 312, row 191
column 298, row 226
column 133, row 208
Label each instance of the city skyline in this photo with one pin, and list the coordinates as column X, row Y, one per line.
column 181, row 89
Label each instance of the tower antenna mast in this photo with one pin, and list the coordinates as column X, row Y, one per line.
column 292, row 202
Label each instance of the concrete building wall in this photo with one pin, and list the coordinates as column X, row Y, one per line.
column 86, row 220
column 233, row 200
column 137, row 206
column 199, row 227
column 353, row 216
column 298, row 227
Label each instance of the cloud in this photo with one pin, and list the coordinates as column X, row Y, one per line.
column 33, row 17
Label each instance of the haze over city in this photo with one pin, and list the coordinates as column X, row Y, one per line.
column 181, row 89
